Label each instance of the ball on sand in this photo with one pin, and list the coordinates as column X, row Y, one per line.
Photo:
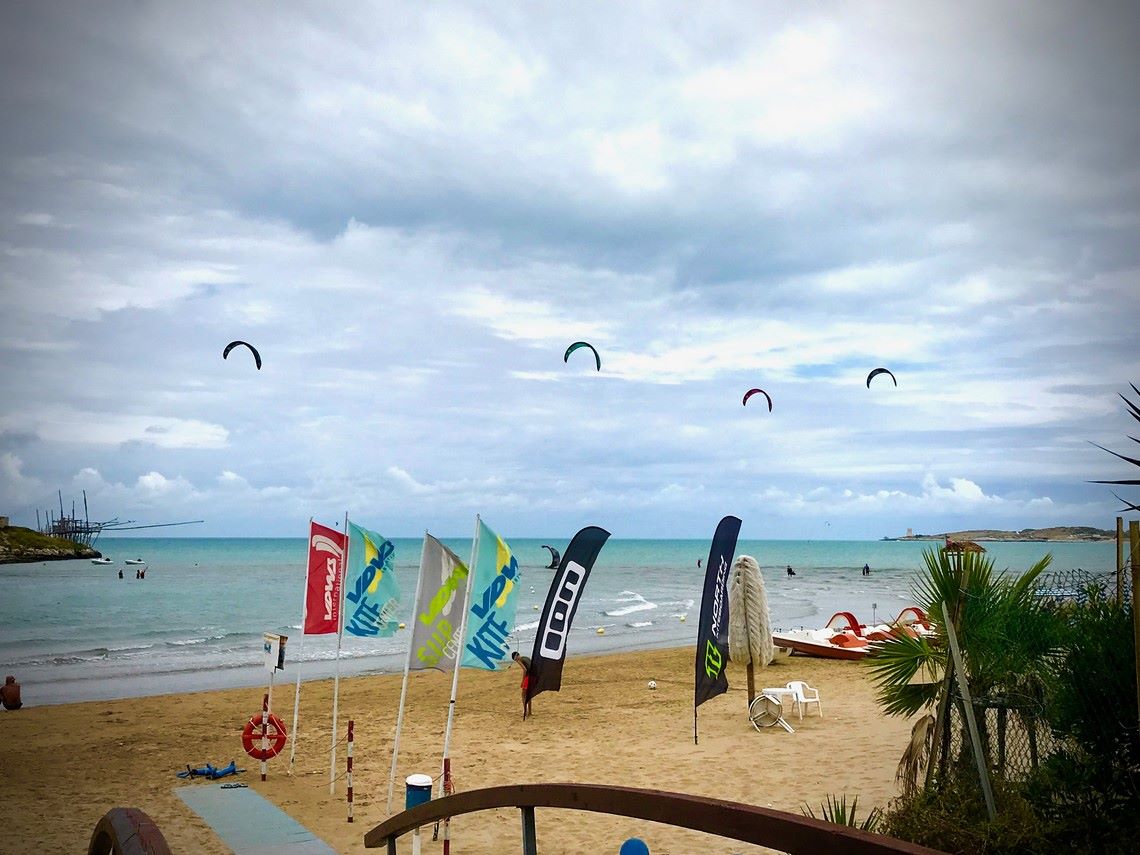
column 403, row 626
column 653, row 684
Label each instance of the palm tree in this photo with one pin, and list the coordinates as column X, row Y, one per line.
column 1134, row 411
column 1004, row 631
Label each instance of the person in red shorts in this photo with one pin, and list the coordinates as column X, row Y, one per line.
column 524, row 663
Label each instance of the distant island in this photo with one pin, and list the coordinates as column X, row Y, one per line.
column 1071, row 534
column 20, row 545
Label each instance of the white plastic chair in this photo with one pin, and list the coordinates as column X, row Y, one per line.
column 803, row 694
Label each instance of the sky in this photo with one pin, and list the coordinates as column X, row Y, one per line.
column 411, row 210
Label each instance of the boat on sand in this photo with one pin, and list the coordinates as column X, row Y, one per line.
column 843, row 637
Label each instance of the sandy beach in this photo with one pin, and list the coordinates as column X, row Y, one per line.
column 64, row 766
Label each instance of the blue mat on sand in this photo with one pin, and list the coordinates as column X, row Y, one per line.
column 249, row 824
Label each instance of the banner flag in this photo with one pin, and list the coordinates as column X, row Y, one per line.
column 561, row 603
column 323, row 582
column 438, row 613
column 712, row 634
column 494, row 599
column 371, row 592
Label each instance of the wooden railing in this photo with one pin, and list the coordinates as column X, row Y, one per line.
column 773, row 828
column 127, row 831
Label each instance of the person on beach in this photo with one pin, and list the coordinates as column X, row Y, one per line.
column 791, row 572
column 524, row 663
column 10, row 694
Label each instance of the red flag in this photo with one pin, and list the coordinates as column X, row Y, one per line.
column 322, row 585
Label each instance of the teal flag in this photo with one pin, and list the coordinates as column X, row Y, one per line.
column 370, row 590
column 494, row 599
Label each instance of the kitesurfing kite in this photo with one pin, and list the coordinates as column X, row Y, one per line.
column 879, row 371
column 752, row 392
column 554, row 557
column 252, row 349
column 579, row 344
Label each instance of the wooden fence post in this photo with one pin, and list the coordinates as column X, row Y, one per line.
column 1134, row 542
column 1119, row 561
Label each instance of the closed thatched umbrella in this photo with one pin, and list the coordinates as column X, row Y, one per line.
column 960, row 546
column 749, row 624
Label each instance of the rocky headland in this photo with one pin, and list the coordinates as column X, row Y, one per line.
column 1071, row 534
column 23, row 546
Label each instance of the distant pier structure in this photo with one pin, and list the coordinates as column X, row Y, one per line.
column 83, row 530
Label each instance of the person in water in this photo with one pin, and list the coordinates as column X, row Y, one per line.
column 791, row 572
column 524, row 663
column 10, row 694
column 866, row 569
column 120, row 573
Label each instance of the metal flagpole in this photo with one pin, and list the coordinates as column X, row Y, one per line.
column 462, row 636
column 407, row 667
column 300, row 650
column 455, row 673
column 339, row 636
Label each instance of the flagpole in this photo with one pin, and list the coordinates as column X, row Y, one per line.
column 407, row 668
column 459, row 652
column 300, row 650
column 336, row 678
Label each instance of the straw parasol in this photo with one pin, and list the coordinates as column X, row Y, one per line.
column 749, row 623
column 960, row 546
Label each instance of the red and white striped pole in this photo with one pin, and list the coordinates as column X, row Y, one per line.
column 349, row 776
column 264, row 733
column 447, row 791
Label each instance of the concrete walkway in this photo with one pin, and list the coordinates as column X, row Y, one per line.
column 249, row 824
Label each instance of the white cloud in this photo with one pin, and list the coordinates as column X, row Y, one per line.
column 63, row 425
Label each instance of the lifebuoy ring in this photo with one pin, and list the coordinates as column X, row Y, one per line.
column 275, row 734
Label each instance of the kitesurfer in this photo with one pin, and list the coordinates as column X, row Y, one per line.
column 10, row 694
column 524, row 663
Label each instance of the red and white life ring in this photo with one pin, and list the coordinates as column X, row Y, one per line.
column 275, row 735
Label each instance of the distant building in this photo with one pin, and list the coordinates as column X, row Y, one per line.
column 3, row 522
column 910, row 532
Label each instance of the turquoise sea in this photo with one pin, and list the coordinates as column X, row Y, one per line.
column 73, row 631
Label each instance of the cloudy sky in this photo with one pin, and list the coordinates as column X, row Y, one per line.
column 412, row 209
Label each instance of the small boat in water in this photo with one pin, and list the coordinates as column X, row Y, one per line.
column 843, row 637
column 134, row 561
column 102, row 561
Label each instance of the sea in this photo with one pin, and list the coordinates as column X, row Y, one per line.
column 74, row 631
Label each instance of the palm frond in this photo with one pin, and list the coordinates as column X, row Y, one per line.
column 916, row 755
column 1134, row 461
column 836, row 811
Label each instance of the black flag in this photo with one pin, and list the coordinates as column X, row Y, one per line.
column 561, row 604
column 712, row 634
